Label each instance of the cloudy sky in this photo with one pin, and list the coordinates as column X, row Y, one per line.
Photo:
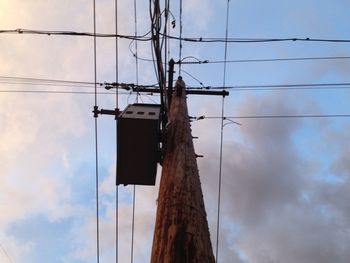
column 286, row 181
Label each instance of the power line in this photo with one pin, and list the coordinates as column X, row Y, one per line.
column 285, row 86
column 272, row 87
column 116, row 132
column 48, row 81
column 44, row 84
column 74, row 33
column 279, row 116
column 262, row 60
column 67, row 83
column 193, row 77
column 136, row 48
column 206, row 61
column 180, row 38
column 256, row 40
column 96, row 139
column 222, row 135
column 133, row 224
column 186, row 39
column 60, row 92
column 137, row 96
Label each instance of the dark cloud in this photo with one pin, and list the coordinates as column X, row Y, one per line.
column 270, row 192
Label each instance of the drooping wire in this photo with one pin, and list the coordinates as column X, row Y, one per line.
column 180, row 38
column 116, row 132
column 193, row 77
column 96, row 141
column 221, row 138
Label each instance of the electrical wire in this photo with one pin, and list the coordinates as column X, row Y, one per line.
column 166, row 41
column 198, row 61
column 133, row 224
column 137, row 96
column 285, row 86
column 82, row 84
column 222, row 137
column 6, row 254
column 74, row 33
column 280, row 116
column 180, row 38
column 55, row 81
column 136, row 50
column 44, row 84
column 256, row 40
column 96, row 140
column 116, row 133
column 186, row 39
column 193, row 77
column 59, row 92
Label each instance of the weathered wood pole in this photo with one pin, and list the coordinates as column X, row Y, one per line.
column 181, row 232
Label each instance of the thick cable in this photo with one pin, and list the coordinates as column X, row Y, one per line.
column 187, row 39
column 96, row 142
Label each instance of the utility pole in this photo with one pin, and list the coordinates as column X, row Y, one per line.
column 181, row 232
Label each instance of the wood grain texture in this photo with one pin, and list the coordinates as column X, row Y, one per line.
column 181, row 232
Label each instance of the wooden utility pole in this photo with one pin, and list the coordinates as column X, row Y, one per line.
column 181, row 232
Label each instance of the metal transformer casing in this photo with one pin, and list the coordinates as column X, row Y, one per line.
column 138, row 149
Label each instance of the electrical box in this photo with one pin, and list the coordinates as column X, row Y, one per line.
column 138, row 150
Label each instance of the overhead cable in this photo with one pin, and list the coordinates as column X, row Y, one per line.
column 96, row 138
column 73, row 33
column 222, row 135
column 60, row 92
column 198, row 61
column 116, row 132
column 298, row 85
column 186, row 39
column 279, row 116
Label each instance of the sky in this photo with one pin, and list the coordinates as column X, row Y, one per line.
column 285, row 182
